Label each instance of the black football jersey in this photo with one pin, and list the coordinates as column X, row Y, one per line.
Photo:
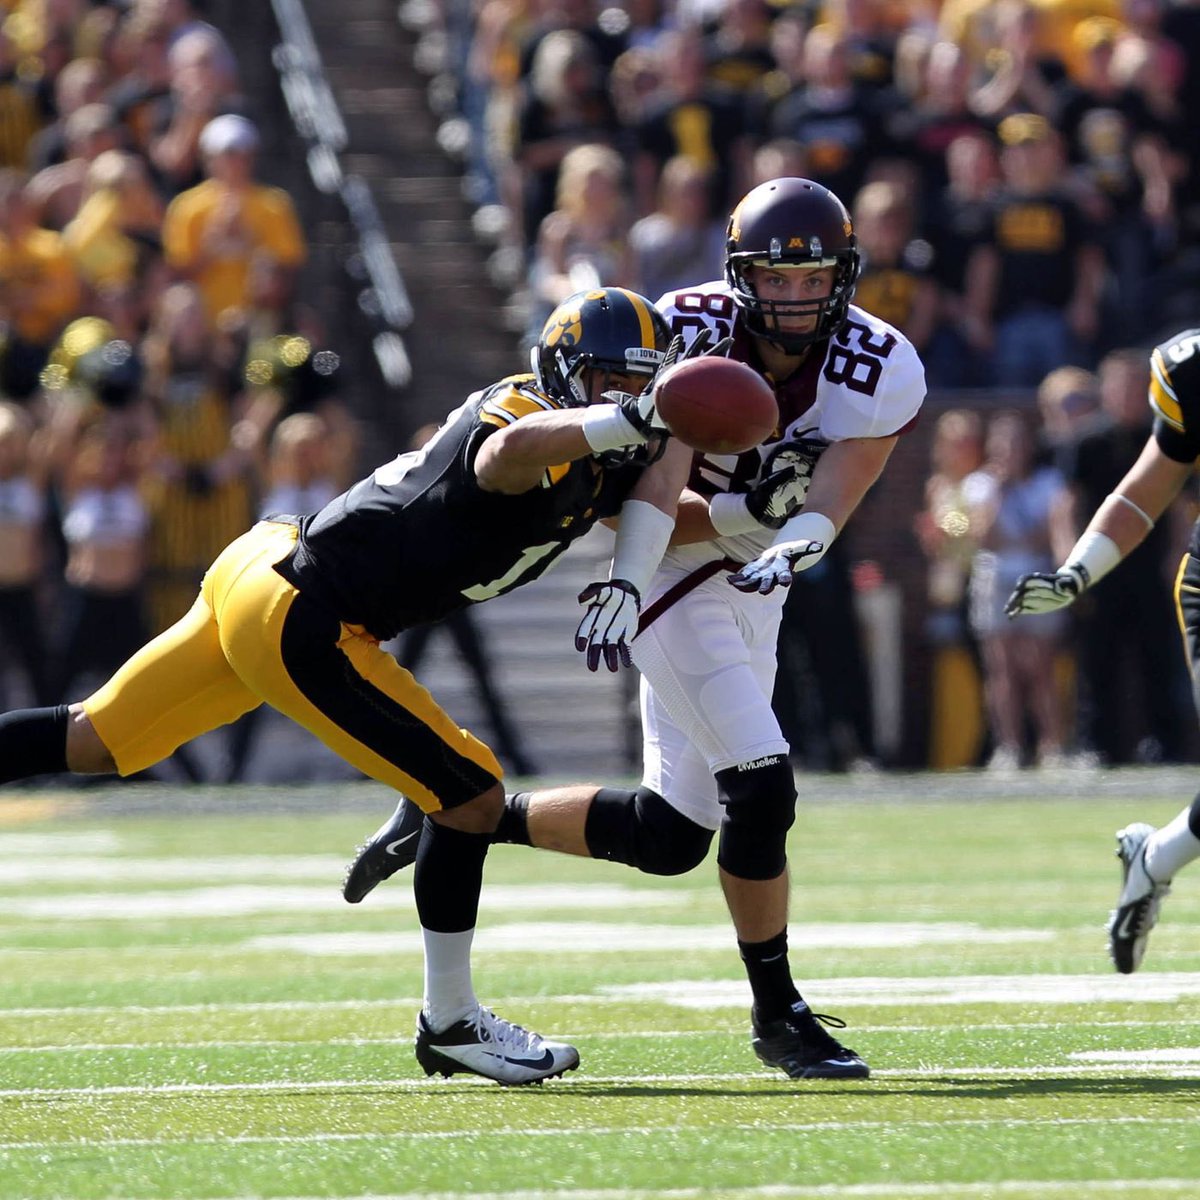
column 1175, row 395
column 419, row 538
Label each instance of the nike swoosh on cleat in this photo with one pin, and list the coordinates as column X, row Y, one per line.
column 533, row 1064
column 1125, row 929
column 390, row 848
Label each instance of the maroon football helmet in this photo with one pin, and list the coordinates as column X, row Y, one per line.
column 790, row 222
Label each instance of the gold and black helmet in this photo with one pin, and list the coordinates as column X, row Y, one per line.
column 610, row 329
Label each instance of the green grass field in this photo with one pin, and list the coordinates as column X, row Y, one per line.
column 189, row 1009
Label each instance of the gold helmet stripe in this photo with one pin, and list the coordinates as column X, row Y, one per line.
column 1162, row 395
column 644, row 318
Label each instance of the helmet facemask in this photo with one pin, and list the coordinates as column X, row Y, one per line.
column 766, row 318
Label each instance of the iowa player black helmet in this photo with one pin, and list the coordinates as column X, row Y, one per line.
column 608, row 329
column 791, row 222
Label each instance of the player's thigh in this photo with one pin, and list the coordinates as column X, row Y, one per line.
column 338, row 684
column 709, row 661
column 176, row 687
column 673, row 767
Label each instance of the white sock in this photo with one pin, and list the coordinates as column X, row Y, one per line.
column 1172, row 847
column 449, row 993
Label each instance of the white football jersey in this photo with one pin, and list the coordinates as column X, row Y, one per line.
column 866, row 381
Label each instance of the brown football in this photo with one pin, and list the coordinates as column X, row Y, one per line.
column 717, row 405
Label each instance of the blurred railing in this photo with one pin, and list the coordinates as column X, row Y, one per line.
column 317, row 118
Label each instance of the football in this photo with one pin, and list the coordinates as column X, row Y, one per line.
column 717, row 405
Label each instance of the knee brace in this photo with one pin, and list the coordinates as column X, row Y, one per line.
column 642, row 830
column 760, row 806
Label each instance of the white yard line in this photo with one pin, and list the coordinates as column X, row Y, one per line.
column 1181, row 1055
column 608, row 936
column 839, row 1191
column 248, row 899
column 510, row 1132
column 852, row 991
column 589, row 1081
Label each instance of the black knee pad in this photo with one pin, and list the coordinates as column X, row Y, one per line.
column 760, row 806
column 642, row 830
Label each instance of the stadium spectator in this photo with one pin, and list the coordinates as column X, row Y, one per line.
column 584, row 242
column 943, row 531
column 1068, row 400
column 679, row 241
column 1012, row 504
column 198, row 476
column 114, row 238
column 39, row 288
column 937, row 117
column 738, row 50
column 692, row 117
column 896, row 283
column 788, row 31
column 1126, row 633
column 870, row 42
column 82, row 81
column 20, row 114
column 1033, row 285
column 22, row 546
column 212, row 231
column 1023, row 76
column 286, row 367
column 563, row 106
column 957, row 220
column 56, row 192
column 143, row 90
column 203, row 86
column 105, row 524
column 833, row 115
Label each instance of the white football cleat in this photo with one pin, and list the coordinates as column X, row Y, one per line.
column 1137, row 906
column 485, row 1044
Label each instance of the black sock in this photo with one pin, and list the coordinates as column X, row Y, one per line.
column 770, row 977
column 448, row 877
column 514, row 820
column 33, row 741
column 1194, row 817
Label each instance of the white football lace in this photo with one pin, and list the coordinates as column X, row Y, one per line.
column 511, row 1038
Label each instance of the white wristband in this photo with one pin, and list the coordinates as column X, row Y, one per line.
column 1093, row 556
column 730, row 515
column 605, row 427
column 807, row 527
column 642, row 537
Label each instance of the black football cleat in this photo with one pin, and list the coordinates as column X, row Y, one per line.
column 391, row 848
column 801, row 1048
column 488, row 1045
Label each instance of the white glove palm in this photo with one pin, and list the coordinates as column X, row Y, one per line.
column 776, row 566
column 1042, row 592
column 609, row 624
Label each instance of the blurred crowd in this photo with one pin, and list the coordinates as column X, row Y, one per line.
column 1025, row 182
column 1024, row 175
column 161, row 384
column 1101, row 684
column 1024, row 178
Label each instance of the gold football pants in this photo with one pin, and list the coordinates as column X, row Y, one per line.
column 250, row 637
